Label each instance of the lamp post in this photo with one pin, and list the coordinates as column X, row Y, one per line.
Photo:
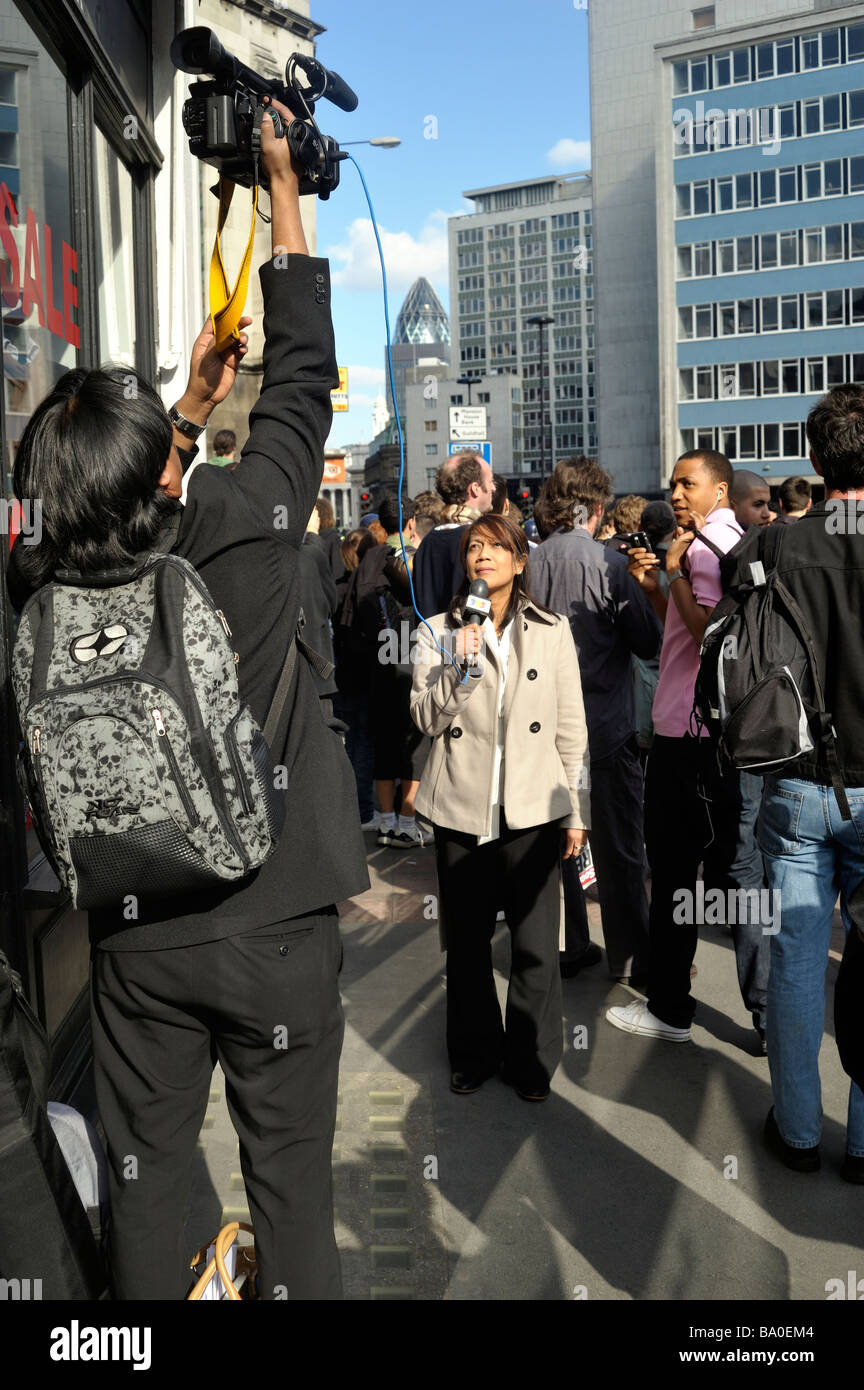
column 541, row 321
column 465, row 381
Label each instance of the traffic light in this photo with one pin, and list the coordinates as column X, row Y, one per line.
column 525, row 494
column 364, row 497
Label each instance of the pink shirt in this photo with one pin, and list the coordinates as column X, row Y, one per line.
column 679, row 658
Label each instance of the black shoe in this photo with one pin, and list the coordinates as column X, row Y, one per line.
column 465, row 1083
column 538, row 1091
column 853, row 1168
column 761, row 1043
column 592, row 955
column 799, row 1160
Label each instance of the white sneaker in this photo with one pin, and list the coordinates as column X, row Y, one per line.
column 405, row 839
column 374, row 823
column 638, row 1018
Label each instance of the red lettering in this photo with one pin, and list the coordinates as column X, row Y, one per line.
column 53, row 314
column 32, row 292
column 10, row 278
column 70, row 294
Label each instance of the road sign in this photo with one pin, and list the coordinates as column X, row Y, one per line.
column 484, row 449
column 467, row 422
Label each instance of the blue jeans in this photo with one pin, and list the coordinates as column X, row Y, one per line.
column 810, row 854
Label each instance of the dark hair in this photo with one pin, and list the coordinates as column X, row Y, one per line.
column 225, row 443
column 835, row 429
column 717, row 466
column 574, row 482
column 795, row 493
column 499, row 496
column 515, row 540
column 93, row 452
column 326, row 515
column 745, row 483
column 514, row 514
column 355, row 545
column 388, row 513
column 454, row 477
column 429, row 504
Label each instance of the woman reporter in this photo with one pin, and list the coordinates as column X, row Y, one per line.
column 508, row 772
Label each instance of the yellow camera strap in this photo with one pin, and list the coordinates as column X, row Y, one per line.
column 226, row 306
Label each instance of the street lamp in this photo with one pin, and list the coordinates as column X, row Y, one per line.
column 383, row 142
column 465, row 381
column 541, row 321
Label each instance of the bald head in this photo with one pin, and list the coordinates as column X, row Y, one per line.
column 466, row 478
column 750, row 496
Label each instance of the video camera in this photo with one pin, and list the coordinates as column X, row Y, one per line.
column 220, row 116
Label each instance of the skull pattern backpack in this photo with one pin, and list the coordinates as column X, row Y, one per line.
column 145, row 773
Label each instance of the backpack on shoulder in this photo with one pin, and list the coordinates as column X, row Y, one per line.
column 758, row 690
column 145, row 774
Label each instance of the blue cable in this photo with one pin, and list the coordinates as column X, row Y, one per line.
column 398, row 422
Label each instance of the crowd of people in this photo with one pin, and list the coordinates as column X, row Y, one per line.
column 510, row 690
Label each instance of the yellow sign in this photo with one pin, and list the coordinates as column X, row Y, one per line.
column 334, row 471
column 340, row 398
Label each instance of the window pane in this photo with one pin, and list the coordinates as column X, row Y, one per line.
column 765, row 60
column 745, row 316
column 684, row 262
column 810, row 51
column 768, row 250
column 685, row 322
column 747, row 439
column 727, row 320
column 685, row 384
column 831, row 113
column 788, row 191
column 770, row 378
column 768, row 186
column 726, row 253
column 741, row 64
column 699, row 74
column 834, row 306
column 812, row 117
column 856, row 174
column 858, row 367
column 834, row 177
column 791, row 441
column 787, row 123
column 830, row 47
column 815, row 374
column 813, row 245
column 729, row 443
column 744, row 190
column 790, row 378
column 836, row 370
column 682, row 199
column 786, row 56
column 771, row 441
column 814, row 310
column 728, row 382
column 789, row 311
column 747, row 379
column 702, row 258
column 856, row 232
column 857, row 305
column 856, row 108
column 680, row 78
column 745, row 253
column 701, row 198
column 788, row 248
column 812, row 180
column 722, row 70
column 833, row 243
column 768, row 314
column 705, row 384
column 855, row 41
column 703, row 321
column 724, row 195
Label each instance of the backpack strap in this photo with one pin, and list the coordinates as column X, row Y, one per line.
column 320, row 665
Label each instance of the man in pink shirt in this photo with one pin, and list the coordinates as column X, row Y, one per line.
column 691, row 811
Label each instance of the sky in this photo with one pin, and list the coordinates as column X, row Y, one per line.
column 507, row 86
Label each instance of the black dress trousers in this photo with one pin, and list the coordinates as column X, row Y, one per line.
column 521, row 873
column 266, row 1005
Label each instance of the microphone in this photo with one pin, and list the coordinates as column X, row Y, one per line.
column 477, row 608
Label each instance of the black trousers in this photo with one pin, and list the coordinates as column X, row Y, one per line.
column 521, row 872
column 266, row 1005
column 692, row 816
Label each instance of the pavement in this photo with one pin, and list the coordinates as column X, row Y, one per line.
column 643, row 1177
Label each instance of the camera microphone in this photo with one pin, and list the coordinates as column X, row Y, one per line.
column 477, row 609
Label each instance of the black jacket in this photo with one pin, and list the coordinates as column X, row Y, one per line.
column 242, row 530
column 438, row 572
column 824, row 572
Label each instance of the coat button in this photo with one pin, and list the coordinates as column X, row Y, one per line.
column 535, row 727
column 320, row 297
column 532, row 674
column 319, row 278
column 456, row 732
column 524, row 627
column 283, row 950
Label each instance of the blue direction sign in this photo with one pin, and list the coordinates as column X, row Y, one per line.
column 484, row 449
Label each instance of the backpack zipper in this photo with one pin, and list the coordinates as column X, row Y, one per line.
column 188, row 804
column 237, row 768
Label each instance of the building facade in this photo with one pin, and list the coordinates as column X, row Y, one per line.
column 628, row 116
column 429, row 403
column 526, row 252
column 421, row 334
column 761, row 253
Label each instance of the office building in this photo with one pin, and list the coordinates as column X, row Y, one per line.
column 526, row 252
column 422, row 334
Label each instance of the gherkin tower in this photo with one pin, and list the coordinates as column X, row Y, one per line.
column 422, row 331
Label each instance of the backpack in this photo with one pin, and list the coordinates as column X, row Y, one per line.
column 145, row 774
column 371, row 607
column 758, row 691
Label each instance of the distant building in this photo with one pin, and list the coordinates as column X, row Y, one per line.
column 422, row 333
column 527, row 250
column 429, row 402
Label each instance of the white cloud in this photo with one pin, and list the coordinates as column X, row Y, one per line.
column 370, row 377
column 406, row 257
column 575, row 153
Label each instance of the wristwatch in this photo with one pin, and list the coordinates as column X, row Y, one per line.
column 183, row 425
column 672, row 575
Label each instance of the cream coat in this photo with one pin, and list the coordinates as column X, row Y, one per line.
column 545, row 769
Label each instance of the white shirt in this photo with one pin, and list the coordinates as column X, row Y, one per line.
column 501, row 647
